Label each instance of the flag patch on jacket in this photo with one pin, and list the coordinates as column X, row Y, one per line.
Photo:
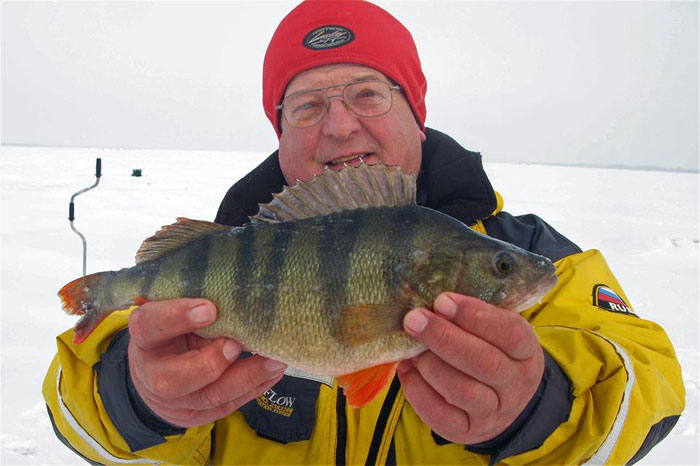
column 605, row 298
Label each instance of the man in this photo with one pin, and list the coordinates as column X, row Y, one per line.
column 576, row 378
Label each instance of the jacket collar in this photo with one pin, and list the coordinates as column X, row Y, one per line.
column 451, row 180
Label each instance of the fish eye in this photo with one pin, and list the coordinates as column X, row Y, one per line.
column 504, row 263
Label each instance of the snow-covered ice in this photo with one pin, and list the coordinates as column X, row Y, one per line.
column 645, row 222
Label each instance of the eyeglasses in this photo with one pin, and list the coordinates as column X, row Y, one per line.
column 364, row 98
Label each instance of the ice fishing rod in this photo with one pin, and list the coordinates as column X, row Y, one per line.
column 71, row 210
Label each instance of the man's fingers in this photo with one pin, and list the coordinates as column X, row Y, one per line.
column 156, row 323
column 460, row 349
column 446, row 420
column 197, row 417
column 505, row 329
column 457, row 388
column 236, row 382
column 165, row 377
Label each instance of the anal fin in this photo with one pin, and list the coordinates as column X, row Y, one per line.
column 363, row 386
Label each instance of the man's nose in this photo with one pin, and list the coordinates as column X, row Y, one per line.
column 340, row 122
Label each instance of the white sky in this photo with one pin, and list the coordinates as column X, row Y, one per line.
column 602, row 83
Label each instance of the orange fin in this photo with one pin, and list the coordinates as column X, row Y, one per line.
column 173, row 236
column 363, row 386
column 355, row 325
column 78, row 298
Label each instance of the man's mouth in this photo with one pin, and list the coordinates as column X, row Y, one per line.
column 350, row 160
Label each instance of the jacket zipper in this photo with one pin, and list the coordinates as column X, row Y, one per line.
column 341, row 428
column 382, row 421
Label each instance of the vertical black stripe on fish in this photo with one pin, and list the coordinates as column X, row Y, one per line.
column 107, row 290
column 400, row 230
column 340, row 233
column 272, row 272
column 148, row 272
column 258, row 266
column 195, row 267
column 243, row 270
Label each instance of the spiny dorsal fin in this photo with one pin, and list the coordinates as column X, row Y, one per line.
column 173, row 236
column 351, row 188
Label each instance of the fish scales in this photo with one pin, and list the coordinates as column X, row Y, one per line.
column 168, row 279
column 239, row 279
column 372, row 268
column 336, row 243
column 191, row 278
column 147, row 278
column 268, row 260
column 304, row 269
column 223, row 276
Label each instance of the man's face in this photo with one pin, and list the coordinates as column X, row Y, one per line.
column 343, row 137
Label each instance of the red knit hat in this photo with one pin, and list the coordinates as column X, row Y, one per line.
column 322, row 32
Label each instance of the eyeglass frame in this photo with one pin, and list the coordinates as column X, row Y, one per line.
column 394, row 87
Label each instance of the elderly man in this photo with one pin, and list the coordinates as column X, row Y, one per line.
column 575, row 378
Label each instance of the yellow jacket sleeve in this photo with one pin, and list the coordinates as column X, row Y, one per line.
column 79, row 416
column 623, row 369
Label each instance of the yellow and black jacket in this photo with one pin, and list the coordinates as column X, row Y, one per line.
column 612, row 387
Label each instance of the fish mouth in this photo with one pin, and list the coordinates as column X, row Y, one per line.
column 523, row 296
column 352, row 160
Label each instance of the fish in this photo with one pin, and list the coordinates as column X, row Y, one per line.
column 322, row 276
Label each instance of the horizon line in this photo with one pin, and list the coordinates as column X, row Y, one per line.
column 617, row 166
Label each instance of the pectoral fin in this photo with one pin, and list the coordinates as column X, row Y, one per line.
column 355, row 325
column 363, row 386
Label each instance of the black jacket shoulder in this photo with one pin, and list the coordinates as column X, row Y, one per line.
column 531, row 233
column 242, row 199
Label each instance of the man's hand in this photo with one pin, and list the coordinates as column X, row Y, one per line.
column 185, row 379
column 482, row 367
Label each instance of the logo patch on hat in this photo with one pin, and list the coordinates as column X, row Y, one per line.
column 328, row 37
column 607, row 299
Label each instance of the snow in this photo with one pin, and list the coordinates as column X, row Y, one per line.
column 645, row 223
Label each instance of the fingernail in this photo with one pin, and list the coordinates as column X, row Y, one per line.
column 415, row 321
column 231, row 350
column 445, row 306
column 201, row 314
column 274, row 366
column 404, row 366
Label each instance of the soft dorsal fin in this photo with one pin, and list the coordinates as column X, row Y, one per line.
column 351, row 188
column 173, row 236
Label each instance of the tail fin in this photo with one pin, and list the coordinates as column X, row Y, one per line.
column 79, row 298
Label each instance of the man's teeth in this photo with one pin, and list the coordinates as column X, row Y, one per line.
column 348, row 159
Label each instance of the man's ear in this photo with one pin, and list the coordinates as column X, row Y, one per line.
column 422, row 136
